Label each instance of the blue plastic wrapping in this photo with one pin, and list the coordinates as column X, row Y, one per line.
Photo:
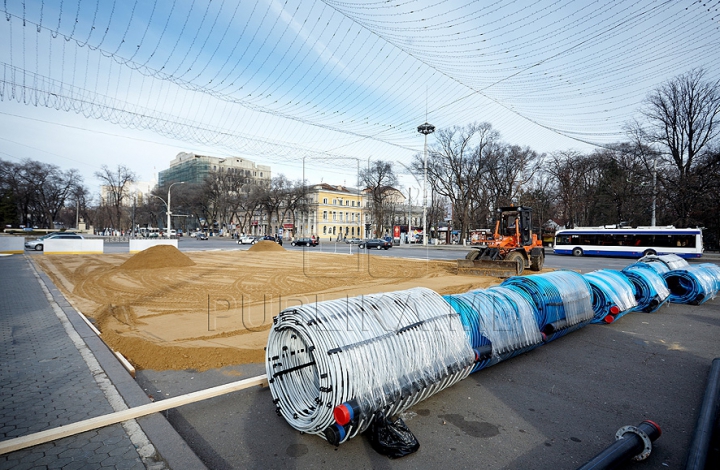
column 562, row 299
column 691, row 285
column 613, row 295
column 651, row 292
column 500, row 317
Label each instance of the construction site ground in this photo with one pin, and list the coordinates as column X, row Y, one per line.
column 192, row 320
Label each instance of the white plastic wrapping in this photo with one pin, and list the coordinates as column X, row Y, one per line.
column 385, row 351
column 671, row 261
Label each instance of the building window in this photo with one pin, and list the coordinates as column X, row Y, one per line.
column 353, row 204
column 334, row 202
column 324, row 229
column 324, row 215
column 334, row 214
column 261, row 174
column 334, row 230
column 341, row 219
column 347, row 203
column 324, row 200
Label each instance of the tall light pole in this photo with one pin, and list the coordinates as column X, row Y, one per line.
column 654, row 193
column 425, row 129
column 169, row 214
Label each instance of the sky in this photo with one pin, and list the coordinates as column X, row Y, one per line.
column 317, row 89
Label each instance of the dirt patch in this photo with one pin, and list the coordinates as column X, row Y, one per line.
column 266, row 245
column 159, row 256
column 215, row 308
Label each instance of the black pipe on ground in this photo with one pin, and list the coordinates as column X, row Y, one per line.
column 706, row 420
column 630, row 443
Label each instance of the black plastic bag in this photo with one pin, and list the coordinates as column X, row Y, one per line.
column 393, row 439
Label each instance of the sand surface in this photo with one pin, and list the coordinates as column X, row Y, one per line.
column 165, row 309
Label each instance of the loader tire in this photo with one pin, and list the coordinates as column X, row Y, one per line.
column 519, row 259
column 473, row 255
column 536, row 262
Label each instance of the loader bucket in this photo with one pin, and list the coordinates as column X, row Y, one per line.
column 500, row 268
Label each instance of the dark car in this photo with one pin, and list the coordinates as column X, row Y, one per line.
column 305, row 242
column 201, row 236
column 376, row 243
column 272, row 239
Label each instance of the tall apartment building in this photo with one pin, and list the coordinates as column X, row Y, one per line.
column 192, row 168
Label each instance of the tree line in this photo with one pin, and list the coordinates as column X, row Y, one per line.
column 668, row 167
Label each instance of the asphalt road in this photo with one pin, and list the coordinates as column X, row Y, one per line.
column 583, row 264
column 554, row 407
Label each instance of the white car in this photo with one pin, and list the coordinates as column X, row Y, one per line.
column 39, row 244
column 247, row 240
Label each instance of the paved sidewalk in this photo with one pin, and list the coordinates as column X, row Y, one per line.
column 54, row 372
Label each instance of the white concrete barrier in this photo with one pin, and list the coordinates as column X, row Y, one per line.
column 72, row 246
column 144, row 244
column 12, row 245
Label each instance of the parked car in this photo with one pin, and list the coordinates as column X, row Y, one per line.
column 39, row 244
column 201, row 236
column 247, row 240
column 305, row 242
column 375, row 243
column 353, row 241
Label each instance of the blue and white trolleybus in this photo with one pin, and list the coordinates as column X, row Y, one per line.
column 631, row 242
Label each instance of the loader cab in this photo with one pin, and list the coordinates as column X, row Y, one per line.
column 516, row 220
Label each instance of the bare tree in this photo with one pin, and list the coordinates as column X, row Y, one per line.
column 379, row 180
column 456, row 167
column 38, row 190
column 117, row 191
column 681, row 120
column 575, row 177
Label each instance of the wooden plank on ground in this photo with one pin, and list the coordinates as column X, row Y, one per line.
column 42, row 437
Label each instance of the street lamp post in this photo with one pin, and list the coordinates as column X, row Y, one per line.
column 425, row 129
column 654, row 193
column 169, row 213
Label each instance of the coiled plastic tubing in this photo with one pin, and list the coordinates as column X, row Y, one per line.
column 500, row 323
column 613, row 295
column 651, row 292
column 670, row 262
column 332, row 366
column 691, row 285
column 562, row 300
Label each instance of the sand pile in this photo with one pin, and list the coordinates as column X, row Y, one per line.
column 160, row 256
column 218, row 312
column 266, row 245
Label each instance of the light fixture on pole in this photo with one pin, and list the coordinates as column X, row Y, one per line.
column 169, row 213
column 425, row 129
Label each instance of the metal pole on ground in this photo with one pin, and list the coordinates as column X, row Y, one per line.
column 425, row 129
column 697, row 455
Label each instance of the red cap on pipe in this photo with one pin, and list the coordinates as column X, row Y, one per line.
column 609, row 319
column 614, row 310
column 653, row 423
column 341, row 414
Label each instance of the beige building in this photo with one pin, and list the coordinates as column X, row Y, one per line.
column 333, row 212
